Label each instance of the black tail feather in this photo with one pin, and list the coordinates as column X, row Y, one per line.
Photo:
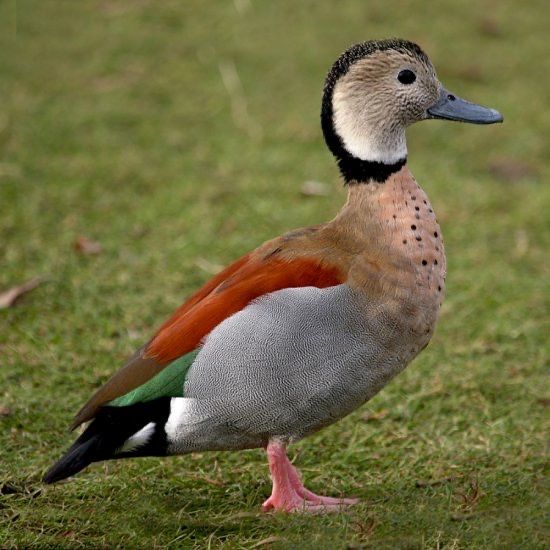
column 75, row 459
column 108, row 432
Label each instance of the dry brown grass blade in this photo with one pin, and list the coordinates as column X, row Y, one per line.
column 511, row 170
column 208, row 267
column 420, row 484
column 313, row 188
column 10, row 296
column 86, row 246
column 268, row 540
column 371, row 415
column 207, row 479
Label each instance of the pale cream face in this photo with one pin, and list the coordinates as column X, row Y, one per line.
column 372, row 108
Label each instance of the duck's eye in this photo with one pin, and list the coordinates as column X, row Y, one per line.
column 406, row 77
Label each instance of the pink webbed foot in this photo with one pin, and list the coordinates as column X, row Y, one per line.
column 289, row 494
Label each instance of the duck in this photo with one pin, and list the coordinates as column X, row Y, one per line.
column 309, row 326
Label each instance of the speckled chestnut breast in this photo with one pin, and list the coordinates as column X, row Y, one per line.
column 401, row 259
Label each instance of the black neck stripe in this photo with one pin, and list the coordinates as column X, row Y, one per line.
column 355, row 170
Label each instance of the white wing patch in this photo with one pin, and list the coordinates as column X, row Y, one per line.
column 140, row 438
column 181, row 413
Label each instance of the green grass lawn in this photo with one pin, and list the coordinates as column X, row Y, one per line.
column 178, row 135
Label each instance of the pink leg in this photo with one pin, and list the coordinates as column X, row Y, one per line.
column 294, row 477
column 289, row 494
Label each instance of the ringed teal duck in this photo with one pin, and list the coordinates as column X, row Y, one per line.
column 310, row 325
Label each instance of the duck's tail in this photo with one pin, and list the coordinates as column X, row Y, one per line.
column 117, row 432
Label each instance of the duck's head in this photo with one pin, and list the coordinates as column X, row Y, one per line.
column 372, row 93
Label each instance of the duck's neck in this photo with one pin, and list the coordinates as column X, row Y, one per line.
column 397, row 206
column 396, row 223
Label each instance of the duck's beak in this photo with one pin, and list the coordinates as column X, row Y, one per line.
column 451, row 107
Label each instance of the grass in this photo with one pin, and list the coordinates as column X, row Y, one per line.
column 123, row 122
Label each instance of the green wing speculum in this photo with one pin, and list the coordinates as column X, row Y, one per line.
column 167, row 383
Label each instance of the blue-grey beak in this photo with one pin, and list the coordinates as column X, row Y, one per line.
column 450, row 107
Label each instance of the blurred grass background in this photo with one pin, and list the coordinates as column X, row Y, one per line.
column 178, row 136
